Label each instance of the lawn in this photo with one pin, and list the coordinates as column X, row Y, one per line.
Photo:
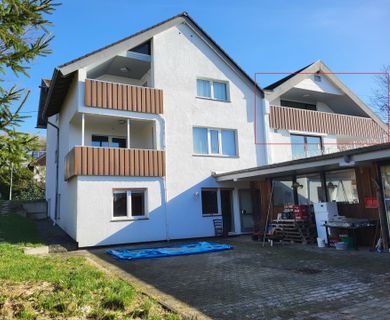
column 59, row 287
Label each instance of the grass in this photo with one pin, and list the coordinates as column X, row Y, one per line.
column 45, row 287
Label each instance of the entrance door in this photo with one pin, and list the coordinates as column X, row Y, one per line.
column 246, row 210
column 385, row 174
column 227, row 211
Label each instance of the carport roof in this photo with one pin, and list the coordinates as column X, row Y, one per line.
column 347, row 159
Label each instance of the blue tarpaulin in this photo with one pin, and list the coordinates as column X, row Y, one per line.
column 168, row 251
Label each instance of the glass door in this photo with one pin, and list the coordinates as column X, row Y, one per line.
column 385, row 174
column 246, row 210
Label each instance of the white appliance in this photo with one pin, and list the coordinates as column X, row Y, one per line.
column 324, row 211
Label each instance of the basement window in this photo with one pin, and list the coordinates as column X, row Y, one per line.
column 129, row 204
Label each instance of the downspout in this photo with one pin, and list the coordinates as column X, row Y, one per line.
column 165, row 186
column 57, row 158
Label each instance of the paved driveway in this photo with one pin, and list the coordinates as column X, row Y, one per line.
column 282, row 282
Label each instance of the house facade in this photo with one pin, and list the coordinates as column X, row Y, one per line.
column 137, row 130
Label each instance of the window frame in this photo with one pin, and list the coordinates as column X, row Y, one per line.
column 305, row 144
column 129, row 192
column 220, row 146
column 212, row 96
column 109, row 137
column 217, row 190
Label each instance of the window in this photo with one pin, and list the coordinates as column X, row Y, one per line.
column 118, row 142
column 200, row 140
column 129, row 204
column 215, row 90
column 106, row 141
column 305, row 146
column 210, row 201
column 100, row 141
column 204, row 88
column 283, row 192
column 214, row 141
column 341, row 186
column 298, row 105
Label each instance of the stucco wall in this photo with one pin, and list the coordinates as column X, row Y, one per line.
column 95, row 223
column 176, row 71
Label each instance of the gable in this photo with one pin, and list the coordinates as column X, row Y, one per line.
column 63, row 74
column 300, row 81
column 321, row 84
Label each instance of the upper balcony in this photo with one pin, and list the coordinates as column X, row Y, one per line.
column 323, row 122
column 124, row 82
column 125, row 97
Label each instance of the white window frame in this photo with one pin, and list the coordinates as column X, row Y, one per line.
column 219, row 213
column 129, row 193
column 109, row 140
column 219, row 154
column 212, row 89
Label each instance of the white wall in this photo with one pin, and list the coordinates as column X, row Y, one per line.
column 179, row 57
column 95, row 225
column 324, row 86
column 176, row 71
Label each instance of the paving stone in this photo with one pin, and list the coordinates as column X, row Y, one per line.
column 255, row 282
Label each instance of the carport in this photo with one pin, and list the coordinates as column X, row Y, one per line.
column 358, row 180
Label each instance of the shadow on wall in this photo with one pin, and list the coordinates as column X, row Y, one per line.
column 181, row 219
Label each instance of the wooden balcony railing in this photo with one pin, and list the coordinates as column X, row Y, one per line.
column 95, row 161
column 110, row 95
column 323, row 122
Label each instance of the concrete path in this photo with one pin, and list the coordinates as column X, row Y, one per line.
column 282, row 282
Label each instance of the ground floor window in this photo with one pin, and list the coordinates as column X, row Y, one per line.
column 341, row 186
column 129, row 203
column 210, row 203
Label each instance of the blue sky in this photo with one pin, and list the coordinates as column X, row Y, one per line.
column 261, row 36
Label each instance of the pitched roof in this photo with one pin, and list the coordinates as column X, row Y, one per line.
column 283, row 80
column 63, row 74
column 279, row 87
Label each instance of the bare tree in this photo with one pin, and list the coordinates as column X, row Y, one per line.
column 380, row 96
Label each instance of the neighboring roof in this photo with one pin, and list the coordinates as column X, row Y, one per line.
column 277, row 88
column 40, row 161
column 283, row 80
column 330, row 161
column 63, row 74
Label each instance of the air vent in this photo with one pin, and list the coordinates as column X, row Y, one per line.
column 317, row 78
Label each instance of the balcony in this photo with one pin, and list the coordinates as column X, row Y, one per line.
column 105, row 161
column 125, row 97
column 323, row 122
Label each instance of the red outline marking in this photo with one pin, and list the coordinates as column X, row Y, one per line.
column 387, row 74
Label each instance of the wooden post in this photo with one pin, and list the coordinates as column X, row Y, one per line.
column 382, row 211
column 255, row 195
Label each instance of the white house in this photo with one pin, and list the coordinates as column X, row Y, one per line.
column 135, row 131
